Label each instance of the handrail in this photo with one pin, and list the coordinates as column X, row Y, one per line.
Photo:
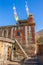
column 21, row 48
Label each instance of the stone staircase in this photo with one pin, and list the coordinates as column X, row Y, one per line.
column 23, row 51
column 29, row 49
column 19, row 55
column 27, row 55
column 32, row 61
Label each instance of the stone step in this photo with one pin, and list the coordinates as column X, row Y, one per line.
column 30, row 49
column 31, row 61
column 12, row 63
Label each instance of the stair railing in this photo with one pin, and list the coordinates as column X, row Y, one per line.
column 22, row 49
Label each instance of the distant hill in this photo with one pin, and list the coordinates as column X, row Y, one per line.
column 40, row 33
column 39, row 36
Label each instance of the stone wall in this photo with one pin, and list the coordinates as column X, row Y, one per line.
column 4, row 45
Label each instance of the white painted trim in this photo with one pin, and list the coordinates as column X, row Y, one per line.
column 26, row 35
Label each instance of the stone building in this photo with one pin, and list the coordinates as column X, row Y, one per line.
column 23, row 32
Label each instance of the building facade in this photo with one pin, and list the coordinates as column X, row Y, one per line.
column 23, row 31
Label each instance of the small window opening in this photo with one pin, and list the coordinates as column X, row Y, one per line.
column 18, row 33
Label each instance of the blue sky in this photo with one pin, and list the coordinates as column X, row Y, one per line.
column 7, row 16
